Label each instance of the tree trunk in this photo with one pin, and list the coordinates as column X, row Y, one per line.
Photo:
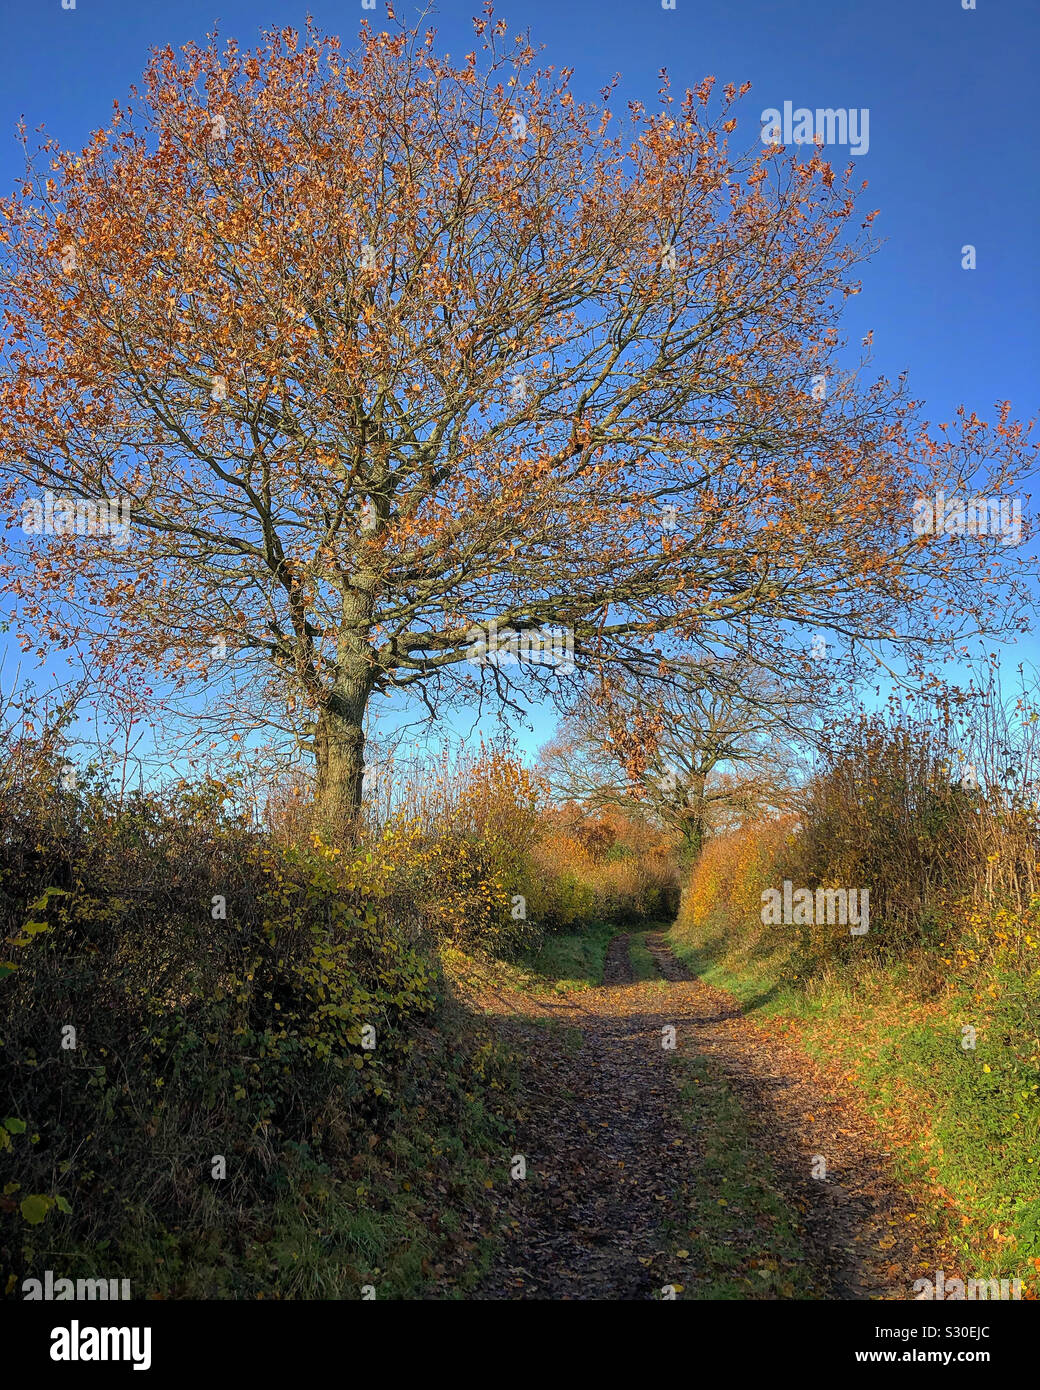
column 693, row 836
column 339, row 742
column 339, row 749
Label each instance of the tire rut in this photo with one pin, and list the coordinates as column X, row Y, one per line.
column 617, row 968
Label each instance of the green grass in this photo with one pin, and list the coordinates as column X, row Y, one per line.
column 972, row 1116
column 574, row 962
column 740, row 1240
column 642, row 962
column 982, row 1141
column 761, row 982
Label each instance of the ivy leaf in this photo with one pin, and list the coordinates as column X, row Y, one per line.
column 35, row 1208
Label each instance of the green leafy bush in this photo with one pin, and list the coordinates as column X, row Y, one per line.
column 179, row 989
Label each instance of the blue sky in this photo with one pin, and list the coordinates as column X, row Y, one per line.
column 953, row 158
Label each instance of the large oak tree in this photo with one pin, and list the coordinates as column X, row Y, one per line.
column 383, row 349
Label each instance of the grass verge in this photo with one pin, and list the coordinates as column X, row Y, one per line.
column 962, row 1120
column 572, row 962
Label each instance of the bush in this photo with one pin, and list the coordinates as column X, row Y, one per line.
column 177, row 987
column 603, row 869
column 455, row 853
column 889, row 812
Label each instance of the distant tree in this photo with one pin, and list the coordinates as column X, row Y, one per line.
column 716, row 742
column 379, row 351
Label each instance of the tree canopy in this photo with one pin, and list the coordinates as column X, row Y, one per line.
column 379, row 350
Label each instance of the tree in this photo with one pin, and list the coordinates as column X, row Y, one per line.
column 716, row 741
column 383, row 354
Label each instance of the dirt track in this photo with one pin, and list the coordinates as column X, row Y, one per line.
column 612, row 1161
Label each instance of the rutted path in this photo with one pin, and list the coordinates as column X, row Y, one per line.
column 620, row 1188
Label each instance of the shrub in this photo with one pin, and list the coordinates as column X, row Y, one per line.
column 176, row 985
column 603, row 869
